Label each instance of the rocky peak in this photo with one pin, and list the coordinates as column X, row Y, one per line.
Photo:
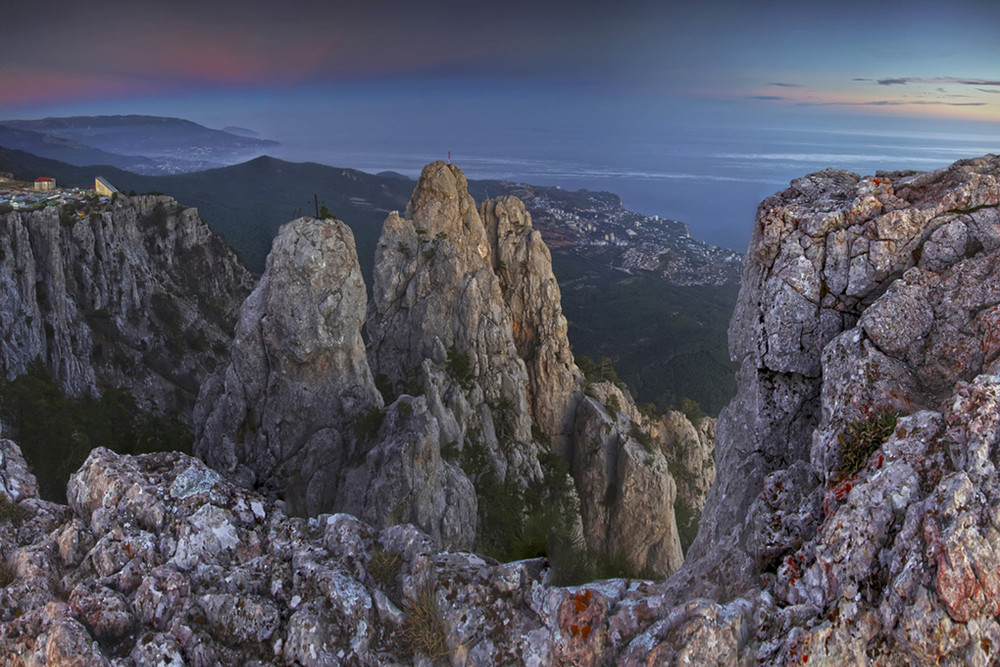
column 280, row 416
column 523, row 265
column 439, row 325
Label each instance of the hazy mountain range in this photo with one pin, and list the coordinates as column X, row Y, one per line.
column 142, row 144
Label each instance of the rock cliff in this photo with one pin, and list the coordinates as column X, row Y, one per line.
column 137, row 294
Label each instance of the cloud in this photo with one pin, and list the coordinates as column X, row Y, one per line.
column 900, row 103
column 900, row 81
column 785, row 85
column 767, row 98
column 987, row 90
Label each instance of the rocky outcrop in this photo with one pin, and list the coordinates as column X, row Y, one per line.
column 523, row 265
column 439, row 325
column 468, row 346
column 626, row 491
column 689, row 449
column 136, row 294
column 280, row 417
column 862, row 439
column 160, row 560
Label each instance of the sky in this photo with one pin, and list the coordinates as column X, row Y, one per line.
column 688, row 110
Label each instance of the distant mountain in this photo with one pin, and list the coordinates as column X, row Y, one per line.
column 240, row 131
column 171, row 145
column 66, row 150
column 667, row 338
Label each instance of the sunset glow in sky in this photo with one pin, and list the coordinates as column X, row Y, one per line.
column 929, row 59
column 641, row 90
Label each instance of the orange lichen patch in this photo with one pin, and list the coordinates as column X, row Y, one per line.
column 581, row 601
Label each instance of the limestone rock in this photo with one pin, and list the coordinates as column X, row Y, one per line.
column 859, row 294
column 16, row 480
column 523, row 265
column 439, row 325
column 627, row 493
column 138, row 294
column 280, row 416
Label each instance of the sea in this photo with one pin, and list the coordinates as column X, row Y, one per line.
column 710, row 177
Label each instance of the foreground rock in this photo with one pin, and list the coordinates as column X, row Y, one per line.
column 160, row 560
column 864, row 298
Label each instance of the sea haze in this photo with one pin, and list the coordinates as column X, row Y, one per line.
column 709, row 177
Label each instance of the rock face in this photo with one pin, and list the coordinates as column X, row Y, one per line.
column 627, row 493
column 280, row 416
column 138, row 294
column 864, row 299
column 523, row 265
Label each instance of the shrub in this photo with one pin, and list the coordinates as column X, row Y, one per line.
column 691, row 410
column 861, row 438
column 598, row 371
column 7, row 574
column 384, row 566
column 642, row 438
column 11, row 511
column 459, row 366
column 450, row 452
column 423, row 631
column 613, row 406
column 367, row 423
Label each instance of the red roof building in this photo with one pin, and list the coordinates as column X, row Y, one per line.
column 45, row 183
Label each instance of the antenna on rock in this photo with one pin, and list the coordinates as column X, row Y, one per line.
column 449, row 157
column 316, row 201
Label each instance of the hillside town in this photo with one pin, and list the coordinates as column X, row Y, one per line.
column 23, row 195
column 597, row 225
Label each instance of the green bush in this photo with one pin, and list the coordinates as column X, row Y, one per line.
column 459, row 366
column 7, row 574
column 861, row 438
column 55, row 432
column 384, row 566
column 11, row 511
column 367, row 423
